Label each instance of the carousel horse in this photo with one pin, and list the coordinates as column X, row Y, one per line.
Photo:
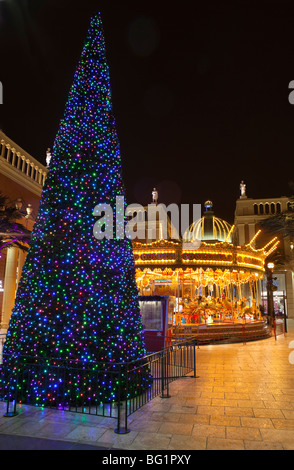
column 253, row 311
column 232, row 307
column 191, row 310
column 219, row 308
column 241, row 304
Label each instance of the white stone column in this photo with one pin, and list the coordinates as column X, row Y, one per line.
column 40, row 177
column 8, row 152
column 13, row 156
column 17, row 159
column 23, row 163
column 21, row 260
column 9, row 286
column 19, row 162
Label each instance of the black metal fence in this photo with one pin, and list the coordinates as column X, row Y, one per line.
column 279, row 325
column 75, row 388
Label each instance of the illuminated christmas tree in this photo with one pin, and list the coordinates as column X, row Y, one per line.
column 77, row 300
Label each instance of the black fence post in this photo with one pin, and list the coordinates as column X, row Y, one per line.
column 123, row 380
column 11, row 410
column 275, row 327
column 164, row 376
column 194, row 354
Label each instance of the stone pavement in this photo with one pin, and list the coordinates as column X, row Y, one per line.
column 243, row 399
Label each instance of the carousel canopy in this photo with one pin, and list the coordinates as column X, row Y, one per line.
column 164, row 254
column 216, row 253
column 209, row 227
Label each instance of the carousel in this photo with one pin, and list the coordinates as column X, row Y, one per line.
column 216, row 284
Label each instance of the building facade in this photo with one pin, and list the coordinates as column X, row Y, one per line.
column 21, row 180
column 249, row 213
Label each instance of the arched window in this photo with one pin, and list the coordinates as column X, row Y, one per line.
column 267, row 208
column 278, row 208
column 261, row 209
column 273, row 208
column 255, row 209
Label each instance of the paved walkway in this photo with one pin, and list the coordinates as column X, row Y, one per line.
column 243, row 399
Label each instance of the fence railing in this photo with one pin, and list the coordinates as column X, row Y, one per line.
column 107, row 390
column 279, row 326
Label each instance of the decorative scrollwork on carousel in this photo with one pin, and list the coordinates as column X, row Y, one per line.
column 207, row 257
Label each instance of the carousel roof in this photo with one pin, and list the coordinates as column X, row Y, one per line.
column 209, row 228
column 208, row 244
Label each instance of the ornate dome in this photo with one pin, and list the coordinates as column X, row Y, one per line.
column 209, row 227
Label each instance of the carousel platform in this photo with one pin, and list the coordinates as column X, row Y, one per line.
column 224, row 332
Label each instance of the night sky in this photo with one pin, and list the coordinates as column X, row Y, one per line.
column 200, row 90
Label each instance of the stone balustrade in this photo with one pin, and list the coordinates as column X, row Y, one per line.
column 22, row 161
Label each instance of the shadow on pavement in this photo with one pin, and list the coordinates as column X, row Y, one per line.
column 13, row 442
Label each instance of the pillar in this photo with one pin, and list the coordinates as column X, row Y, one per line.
column 21, row 259
column 20, row 159
column 23, row 164
column 13, row 156
column 8, row 153
column 9, row 286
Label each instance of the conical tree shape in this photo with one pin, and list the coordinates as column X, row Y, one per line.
column 77, row 299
